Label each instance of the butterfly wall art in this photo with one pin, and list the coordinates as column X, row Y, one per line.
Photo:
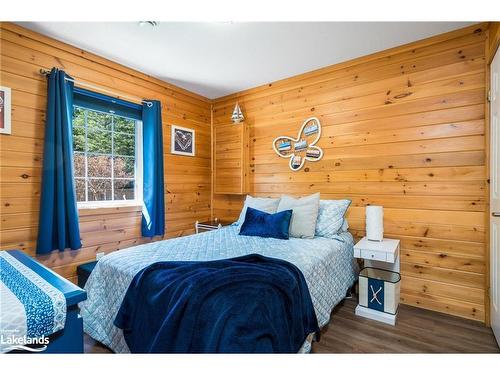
column 303, row 148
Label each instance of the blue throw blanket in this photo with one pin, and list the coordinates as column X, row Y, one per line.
column 249, row 304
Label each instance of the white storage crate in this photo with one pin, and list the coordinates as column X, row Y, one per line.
column 379, row 289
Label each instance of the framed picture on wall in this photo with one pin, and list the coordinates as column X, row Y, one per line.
column 5, row 110
column 182, row 141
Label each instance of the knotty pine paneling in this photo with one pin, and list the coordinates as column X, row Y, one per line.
column 187, row 179
column 403, row 128
column 493, row 40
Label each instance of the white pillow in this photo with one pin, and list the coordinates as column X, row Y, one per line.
column 304, row 214
column 331, row 217
column 345, row 226
column 269, row 205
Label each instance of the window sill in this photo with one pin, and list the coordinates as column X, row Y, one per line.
column 92, row 208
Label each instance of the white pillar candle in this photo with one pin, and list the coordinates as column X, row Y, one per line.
column 375, row 223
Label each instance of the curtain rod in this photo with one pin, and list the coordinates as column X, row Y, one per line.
column 95, row 87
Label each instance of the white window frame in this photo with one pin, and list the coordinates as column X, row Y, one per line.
column 138, row 172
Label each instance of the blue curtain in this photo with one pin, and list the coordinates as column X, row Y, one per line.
column 153, row 210
column 58, row 225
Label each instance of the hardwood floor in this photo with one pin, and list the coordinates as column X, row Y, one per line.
column 92, row 346
column 416, row 331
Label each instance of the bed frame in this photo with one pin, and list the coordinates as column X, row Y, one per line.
column 70, row 339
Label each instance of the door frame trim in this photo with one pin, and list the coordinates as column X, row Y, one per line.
column 491, row 49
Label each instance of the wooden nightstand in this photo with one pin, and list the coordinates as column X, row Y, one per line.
column 378, row 254
column 204, row 226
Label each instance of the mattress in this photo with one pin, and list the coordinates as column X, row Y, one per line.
column 327, row 265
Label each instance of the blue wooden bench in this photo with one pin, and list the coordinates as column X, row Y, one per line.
column 70, row 339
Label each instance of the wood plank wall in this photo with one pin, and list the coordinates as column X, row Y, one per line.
column 403, row 128
column 493, row 39
column 188, row 186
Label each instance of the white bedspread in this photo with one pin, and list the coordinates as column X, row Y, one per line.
column 327, row 265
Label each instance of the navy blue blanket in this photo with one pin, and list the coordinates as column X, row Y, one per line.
column 249, row 304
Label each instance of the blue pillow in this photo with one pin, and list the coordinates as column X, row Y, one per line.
column 261, row 224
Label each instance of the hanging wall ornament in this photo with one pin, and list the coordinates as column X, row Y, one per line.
column 237, row 115
column 303, row 148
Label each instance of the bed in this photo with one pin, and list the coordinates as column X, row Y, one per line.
column 24, row 308
column 327, row 265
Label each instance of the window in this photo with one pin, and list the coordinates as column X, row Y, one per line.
column 107, row 157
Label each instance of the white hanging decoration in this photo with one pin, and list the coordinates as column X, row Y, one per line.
column 302, row 148
column 237, row 115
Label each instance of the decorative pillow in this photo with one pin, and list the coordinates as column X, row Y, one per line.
column 331, row 217
column 345, row 226
column 269, row 205
column 304, row 216
column 261, row 224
